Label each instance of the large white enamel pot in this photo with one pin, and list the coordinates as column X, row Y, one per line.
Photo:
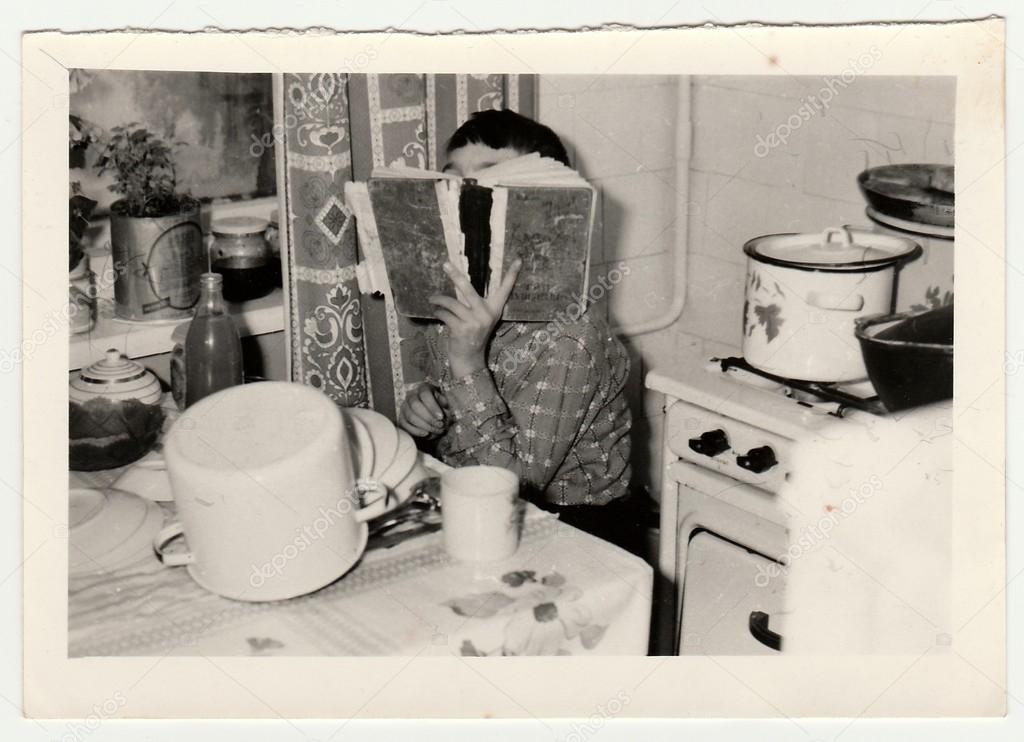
column 268, row 497
column 804, row 293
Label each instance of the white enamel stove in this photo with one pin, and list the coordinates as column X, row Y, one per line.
column 727, row 453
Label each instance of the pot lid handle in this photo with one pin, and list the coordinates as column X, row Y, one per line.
column 843, row 232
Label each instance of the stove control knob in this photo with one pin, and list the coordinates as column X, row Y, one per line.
column 757, row 460
column 711, row 443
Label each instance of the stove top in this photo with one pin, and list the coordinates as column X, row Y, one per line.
column 836, row 398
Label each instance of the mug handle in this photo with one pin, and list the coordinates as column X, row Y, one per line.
column 166, row 535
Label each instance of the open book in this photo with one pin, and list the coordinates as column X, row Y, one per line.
column 531, row 207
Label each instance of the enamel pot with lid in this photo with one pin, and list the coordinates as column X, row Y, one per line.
column 804, row 293
column 114, row 413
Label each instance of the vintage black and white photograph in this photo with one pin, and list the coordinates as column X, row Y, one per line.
column 552, row 342
column 486, row 364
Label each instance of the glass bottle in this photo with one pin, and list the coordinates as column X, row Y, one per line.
column 213, row 349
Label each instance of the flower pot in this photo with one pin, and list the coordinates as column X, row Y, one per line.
column 157, row 262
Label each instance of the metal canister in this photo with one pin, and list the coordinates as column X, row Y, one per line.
column 157, row 261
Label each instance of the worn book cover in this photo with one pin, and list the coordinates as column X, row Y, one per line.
column 549, row 228
column 530, row 208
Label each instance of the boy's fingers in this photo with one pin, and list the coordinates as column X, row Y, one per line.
column 448, row 318
column 420, row 415
column 455, row 307
column 410, row 426
column 500, row 297
column 463, row 286
column 441, row 398
column 426, row 396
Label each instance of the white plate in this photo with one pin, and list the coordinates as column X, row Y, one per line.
column 109, row 529
column 384, row 435
column 397, row 474
column 147, row 478
column 404, row 460
column 364, row 449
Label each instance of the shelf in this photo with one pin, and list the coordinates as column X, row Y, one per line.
column 138, row 339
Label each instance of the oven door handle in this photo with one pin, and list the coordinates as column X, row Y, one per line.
column 758, row 625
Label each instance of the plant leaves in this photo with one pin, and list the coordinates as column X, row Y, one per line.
column 769, row 318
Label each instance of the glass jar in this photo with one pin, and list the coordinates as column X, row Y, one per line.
column 240, row 253
column 274, row 240
column 81, row 298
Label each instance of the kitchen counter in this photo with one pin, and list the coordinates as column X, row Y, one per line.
column 138, row 339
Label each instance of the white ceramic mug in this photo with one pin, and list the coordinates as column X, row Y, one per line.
column 480, row 513
column 266, row 492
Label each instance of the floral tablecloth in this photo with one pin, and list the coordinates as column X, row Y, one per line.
column 564, row 592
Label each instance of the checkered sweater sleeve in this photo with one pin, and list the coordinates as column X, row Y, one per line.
column 534, row 430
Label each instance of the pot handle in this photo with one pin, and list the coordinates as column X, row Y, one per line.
column 835, row 301
column 843, row 232
column 166, row 535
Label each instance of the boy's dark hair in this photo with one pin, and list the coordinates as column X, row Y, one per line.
column 500, row 129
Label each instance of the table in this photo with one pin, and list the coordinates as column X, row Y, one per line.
column 563, row 592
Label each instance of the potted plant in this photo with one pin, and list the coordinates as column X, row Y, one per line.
column 156, row 239
column 81, row 297
column 80, row 137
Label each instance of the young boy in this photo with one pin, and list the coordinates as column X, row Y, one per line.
column 547, row 405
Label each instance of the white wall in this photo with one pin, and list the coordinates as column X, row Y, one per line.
column 621, row 132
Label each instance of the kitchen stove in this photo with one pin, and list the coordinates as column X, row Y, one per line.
column 859, row 395
column 749, row 458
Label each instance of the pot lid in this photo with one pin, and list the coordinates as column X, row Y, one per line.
column 239, row 225
column 115, row 377
column 837, row 248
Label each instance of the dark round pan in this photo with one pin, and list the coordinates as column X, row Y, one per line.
column 909, row 357
column 917, row 193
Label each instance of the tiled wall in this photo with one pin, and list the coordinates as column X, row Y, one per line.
column 621, row 132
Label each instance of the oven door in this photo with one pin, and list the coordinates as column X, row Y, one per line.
column 739, row 535
column 732, row 600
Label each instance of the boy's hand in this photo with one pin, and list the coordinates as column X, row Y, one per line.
column 423, row 413
column 471, row 319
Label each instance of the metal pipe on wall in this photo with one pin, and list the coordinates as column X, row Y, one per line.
column 683, row 147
